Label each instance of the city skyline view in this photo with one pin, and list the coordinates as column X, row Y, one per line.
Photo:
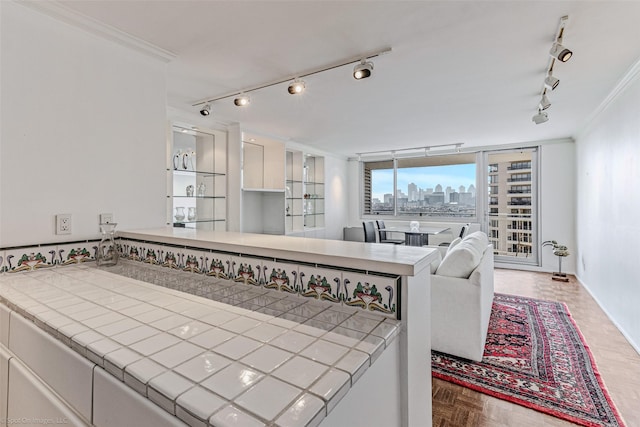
column 423, row 177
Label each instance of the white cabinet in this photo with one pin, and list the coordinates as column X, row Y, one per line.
column 197, row 180
column 304, row 194
column 262, row 185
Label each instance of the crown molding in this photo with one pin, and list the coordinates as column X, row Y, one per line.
column 630, row 77
column 63, row 13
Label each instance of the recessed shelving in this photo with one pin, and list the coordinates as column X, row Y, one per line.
column 196, row 174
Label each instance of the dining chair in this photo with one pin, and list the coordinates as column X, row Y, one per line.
column 369, row 232
column 382, row 233
column 463, row 232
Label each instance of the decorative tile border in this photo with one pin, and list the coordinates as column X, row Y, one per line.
column 32, row 258
column 369, row 291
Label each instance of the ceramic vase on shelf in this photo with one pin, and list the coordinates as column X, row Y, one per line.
column 179, row 215
column 177, row 159
column 202, row 189
column 191, row 214
column 107, row 253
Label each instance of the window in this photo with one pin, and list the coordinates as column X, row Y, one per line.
column 511, row 219
column 379, row 198
column 517, row 177
column 433, row 186
column 520, row 189
column 519, row 165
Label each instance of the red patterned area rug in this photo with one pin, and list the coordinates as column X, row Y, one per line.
column 535, row 356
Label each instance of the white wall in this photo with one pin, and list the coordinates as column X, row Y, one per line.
column 336, row 190
column 608, row 208
column 557, row 196
column 83, row 131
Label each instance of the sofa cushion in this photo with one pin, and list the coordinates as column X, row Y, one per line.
column 460, row 261
column 453, row 243
column 478, row 239
column 436, row 263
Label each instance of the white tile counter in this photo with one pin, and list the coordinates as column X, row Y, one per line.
column 203, row 361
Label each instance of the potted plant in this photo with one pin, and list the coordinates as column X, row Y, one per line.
column 560, row 251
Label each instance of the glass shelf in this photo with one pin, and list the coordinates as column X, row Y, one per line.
column 190, row 172
column 201, row 186
column 198, row 197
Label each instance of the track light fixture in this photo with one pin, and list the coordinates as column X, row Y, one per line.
column 242, row 101
column 560, row 52
column 551, row 82
column 541, row 117
column 296, row 87
column 206, row 110
column 362, row 70
column 544, row 103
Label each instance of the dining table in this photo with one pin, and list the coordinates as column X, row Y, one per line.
column 417, row 236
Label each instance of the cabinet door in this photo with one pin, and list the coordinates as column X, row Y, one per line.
column 253, row 170
column 41, row 404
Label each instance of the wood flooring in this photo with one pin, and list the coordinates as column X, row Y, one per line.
column 616, row 359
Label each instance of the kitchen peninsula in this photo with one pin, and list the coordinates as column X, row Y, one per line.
column 363, row 292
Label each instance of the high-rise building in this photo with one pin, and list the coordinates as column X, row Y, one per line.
column 413, row 192
column 510, row 205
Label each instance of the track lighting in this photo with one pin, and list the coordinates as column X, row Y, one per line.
column 541, row 117
column 206, row 110
column 296, row 87
column 551, row 82
column 242, row 100
column 362, row 70
column 560, row 52
column 544, row 103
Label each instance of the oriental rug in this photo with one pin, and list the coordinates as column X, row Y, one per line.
column 535, row 356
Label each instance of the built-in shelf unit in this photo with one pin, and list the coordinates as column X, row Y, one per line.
column 304, row 193
column 196, row 174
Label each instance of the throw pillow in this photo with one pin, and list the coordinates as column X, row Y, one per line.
column 460, row 261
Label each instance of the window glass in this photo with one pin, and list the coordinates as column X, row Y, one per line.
column 432, row 186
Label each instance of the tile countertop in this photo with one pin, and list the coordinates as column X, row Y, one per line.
column 394, row 259
column 202, row 360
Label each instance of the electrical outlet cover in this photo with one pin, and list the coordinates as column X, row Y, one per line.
column 106, row 218
column 63, row 224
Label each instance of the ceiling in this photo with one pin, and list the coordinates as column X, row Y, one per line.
column 459, row 72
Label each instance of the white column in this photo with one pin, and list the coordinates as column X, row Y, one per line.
column 415, row 349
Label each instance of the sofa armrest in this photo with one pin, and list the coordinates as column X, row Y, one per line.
column 460, row 310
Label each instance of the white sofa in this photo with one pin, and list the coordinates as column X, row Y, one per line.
column 461, row 297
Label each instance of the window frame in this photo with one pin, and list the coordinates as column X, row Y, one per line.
column 395, row 216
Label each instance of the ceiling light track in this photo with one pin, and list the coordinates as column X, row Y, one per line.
column 296, row 77
column 424, row 151
column 558, row 53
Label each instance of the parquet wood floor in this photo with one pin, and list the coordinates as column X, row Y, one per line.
column 616, row 359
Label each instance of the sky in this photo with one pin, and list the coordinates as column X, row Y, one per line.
column 424, row 177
